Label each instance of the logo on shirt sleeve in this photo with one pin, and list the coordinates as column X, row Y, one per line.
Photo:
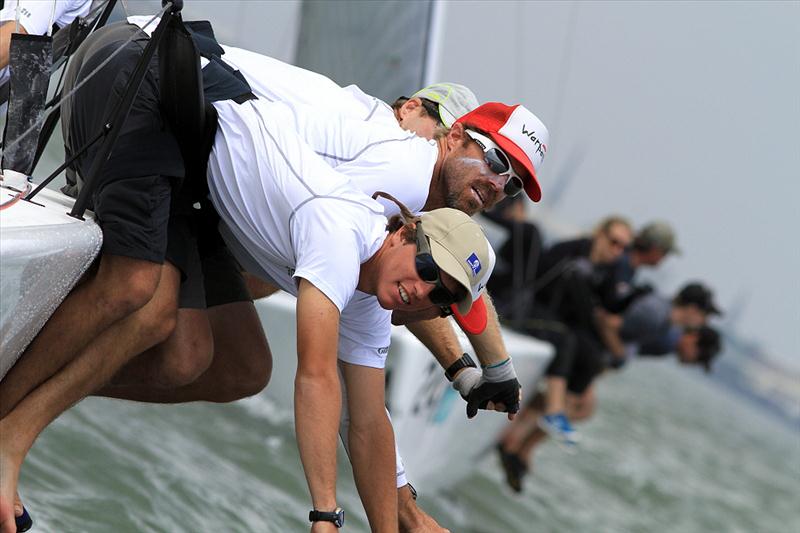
column 474, row 263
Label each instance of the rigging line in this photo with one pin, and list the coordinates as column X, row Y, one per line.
column 65, row 59
column 96, row 9
column 65, row 164
column 566, row 68
column 84, row 80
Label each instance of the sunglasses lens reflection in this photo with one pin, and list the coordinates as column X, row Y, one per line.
column 496, row 161
column 513, row 186
column 426, row 268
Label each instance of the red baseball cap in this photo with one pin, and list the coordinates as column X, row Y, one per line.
column 518, row 132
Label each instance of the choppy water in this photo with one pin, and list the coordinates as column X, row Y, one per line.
column 667, row 452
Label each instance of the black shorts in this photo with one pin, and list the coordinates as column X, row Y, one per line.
column 543, row 323
column 213, row 276
column 134, row 189
column 589, row 362
column 141, row 202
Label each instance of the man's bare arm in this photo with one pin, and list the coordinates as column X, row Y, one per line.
column 440, row 338
column 317, row 393
column 488, row 345
column 371, row 445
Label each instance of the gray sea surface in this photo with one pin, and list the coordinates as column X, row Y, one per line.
column 668, row 451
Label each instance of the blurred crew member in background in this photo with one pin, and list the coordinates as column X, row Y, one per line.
column 650, row 247
column 563, row 313
column 652, row 325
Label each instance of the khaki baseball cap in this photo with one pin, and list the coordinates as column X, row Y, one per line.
column 658, row 234
column 453, row 100
column 460, row 248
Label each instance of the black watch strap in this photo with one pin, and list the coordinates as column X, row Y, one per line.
column 463, row 362
column 336, row 516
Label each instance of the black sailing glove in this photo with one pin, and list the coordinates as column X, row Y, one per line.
column 497, row 383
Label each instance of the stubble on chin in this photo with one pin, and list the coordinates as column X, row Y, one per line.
column 468, row 206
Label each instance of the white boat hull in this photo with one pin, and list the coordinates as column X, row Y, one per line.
column 43, row 254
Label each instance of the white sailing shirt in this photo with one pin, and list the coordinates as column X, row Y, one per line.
column 276, row 81
column 273, row 80
column 39, row 16
column 284, row 180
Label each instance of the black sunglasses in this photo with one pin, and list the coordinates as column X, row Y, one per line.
column 498, row 162
column 429, row 272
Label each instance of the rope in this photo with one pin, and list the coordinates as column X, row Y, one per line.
column 16, row 198
column 41, row 120
column 93, row 23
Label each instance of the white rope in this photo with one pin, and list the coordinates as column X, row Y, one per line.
column 83, row 81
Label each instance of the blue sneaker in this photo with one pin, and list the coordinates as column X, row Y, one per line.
column 558, row 427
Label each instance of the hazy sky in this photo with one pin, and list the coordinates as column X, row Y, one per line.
column 688, row 112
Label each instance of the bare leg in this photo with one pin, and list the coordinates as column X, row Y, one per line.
column 581, row 407
column 120, row 286
column 536, row 437
column 219, row 354
column 178, row 361
column 525, row 423
column 556, row 394
column 87, row 372
column 241, row 366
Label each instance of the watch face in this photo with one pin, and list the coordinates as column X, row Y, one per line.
column 339, row 522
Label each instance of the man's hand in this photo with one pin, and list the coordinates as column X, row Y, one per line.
column 496, row 389
column 412, row 518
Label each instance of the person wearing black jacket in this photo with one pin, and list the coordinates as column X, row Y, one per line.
column 562, row 313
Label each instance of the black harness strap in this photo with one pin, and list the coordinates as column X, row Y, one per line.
column 114, row 126
column 65, row 41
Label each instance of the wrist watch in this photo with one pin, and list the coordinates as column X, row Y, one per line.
column 336, row 516
column 464, row 361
